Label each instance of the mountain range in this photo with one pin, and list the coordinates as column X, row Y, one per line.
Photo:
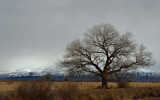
column 25, row 75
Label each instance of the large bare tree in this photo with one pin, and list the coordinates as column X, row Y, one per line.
column 104, row 51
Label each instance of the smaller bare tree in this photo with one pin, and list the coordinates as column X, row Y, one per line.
column 48, row 77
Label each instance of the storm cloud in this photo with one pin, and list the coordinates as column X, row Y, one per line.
column 34, row 33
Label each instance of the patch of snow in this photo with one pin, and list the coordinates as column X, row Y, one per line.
column 144, row 70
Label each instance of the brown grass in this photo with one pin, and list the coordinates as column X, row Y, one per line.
column 6, row 86
column 37, row 90
column 67, row 91
column 34, row 91
column 31, row 91
column 123, row 84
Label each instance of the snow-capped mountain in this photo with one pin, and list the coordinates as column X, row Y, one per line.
column 147, row 76
column 19, row 74
column 32, row 72
column 27, row 75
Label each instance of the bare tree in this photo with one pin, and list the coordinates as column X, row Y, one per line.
column 104, row 51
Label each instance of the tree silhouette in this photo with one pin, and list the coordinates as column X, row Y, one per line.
column 104, row 51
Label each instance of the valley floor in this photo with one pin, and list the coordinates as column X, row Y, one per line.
column 79, row 90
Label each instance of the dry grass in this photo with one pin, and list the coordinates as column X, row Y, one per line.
column 123, row 84
column 78, row 91
column 6, row 86
column 34, row 91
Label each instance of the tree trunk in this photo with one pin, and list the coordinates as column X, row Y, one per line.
column 104, row 83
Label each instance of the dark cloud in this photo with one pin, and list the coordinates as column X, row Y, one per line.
column 35, row 32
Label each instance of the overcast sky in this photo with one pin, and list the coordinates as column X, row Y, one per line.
column 34, row 33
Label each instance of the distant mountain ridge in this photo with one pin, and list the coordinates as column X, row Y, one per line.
column 147, row 76
column 24, row 75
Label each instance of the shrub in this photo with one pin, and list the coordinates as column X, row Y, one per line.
column 66, row 79
column 34, row 91
column 123, row 84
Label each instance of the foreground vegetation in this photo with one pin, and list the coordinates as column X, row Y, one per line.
column 38, row 90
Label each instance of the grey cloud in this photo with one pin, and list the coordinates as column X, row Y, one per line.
column 39, row 30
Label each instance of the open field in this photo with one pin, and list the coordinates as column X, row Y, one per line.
column 11, row 85
column 78, row 91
